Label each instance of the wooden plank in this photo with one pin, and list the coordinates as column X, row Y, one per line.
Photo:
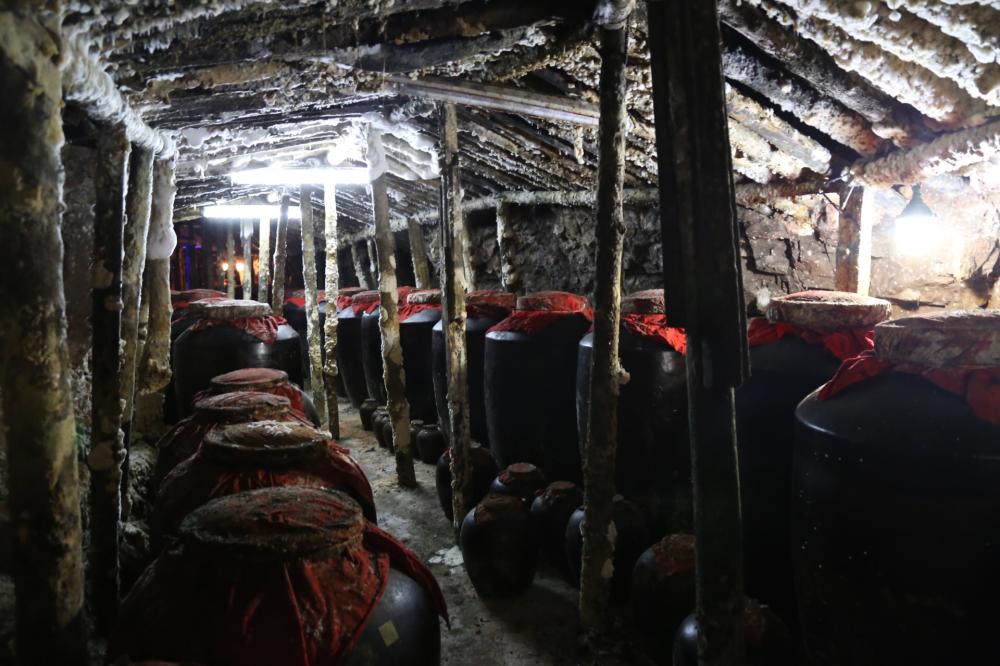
column 331, row 283
column 316, row 382
column 280, row 252
column 853, row 269
column 418, row 254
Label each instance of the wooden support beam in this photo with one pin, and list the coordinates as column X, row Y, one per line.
column 360, row 269
column 316, row 385
column 601, row 439
column 137, row 207
column 230, row 263
column 280, row 251
column 703, row 287
column 154, row 368
column 497, row 98
column 331, row 284
column 418, row 254
column 392, row 350
column 853, row 269
column 453, row 287
column 264, row 254
column 107, row 451
column 41, row 444
column 510, row 279
column 373, row 267
column 246, row 234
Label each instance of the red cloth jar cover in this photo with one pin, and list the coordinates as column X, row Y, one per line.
column 345, row 295
column 283, row 576
column 249, row 316
column 368, row 301
column 841, row 322
column 419, row 300
column 262, row 454
column 182, row 440
column 674, row 553
column 297, row 297
column 535, row 312
column 643, row 313
column 182, row 299
column 490, row 304
column 958, row 351
column 260, row 380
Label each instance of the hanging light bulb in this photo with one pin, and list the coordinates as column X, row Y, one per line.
column 918, row 230
column 225, row 266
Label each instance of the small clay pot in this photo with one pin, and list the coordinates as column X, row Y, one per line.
column 387, row 433
column 378, row 420
column 633, row 539
column 484, row 468
column 522, row 480
column 550, row 513
column 430, row 443
column 416, row 425
column 366, row 411
column 662, row 593
column 499, row 547
column 768, row 640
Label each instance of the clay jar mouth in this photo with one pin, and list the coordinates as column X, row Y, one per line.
column 424, row 297
column 562, row 493
column 552, row 301
column 521, row 473
column 674, row 554
column 229, row 309
column 951, row 339
column 265, row 443
column 271, row 525
column 828, row 311
column 249, row 379
column 647, row 301
column 500, row 508
column 242, row 406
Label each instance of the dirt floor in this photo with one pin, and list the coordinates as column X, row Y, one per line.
column 537, row 627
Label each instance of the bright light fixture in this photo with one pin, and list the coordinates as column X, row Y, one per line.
column 307, row 176
column 225, row 266
column 249, row 212
column 240, row 266
column 918, row 230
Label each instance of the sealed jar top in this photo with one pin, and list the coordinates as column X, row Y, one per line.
column 424, row 297
column 495, row 508
column 249, row 379
column 499, row 299
column 242, row 406
column 553, row 301
column 949, row 339
column 674, row 553
column 198, row 294
column 560, row 492
column 349, row 291
column 275, row 524
column 229, row 309
column 265, row 443
column 521, row 472
column 647, row 301
column 298, row 296
column 366, row 297
column 828, row 310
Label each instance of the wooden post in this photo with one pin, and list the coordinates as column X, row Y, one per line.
column 230, row 263
column 183, row 279
column 332, row 285
column 453, row 305
column 373, row 267
column 34, row 366
column 607, row 375
column 137, row 203
column 107, row 452
column 854, row 243
column 418, row 254
column 312, row 304
column 704, row 290
column 359, row 265
column 392, row 350
column 264, row 253
column 246, row 229
column 280, row 250
column 154, row 368
column 510, row 279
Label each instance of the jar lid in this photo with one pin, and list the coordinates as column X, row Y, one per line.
column 249, row 379
column 198, row 294
column 349, row 291
column 561, row 492
column 521, row 472
column 953, row 338
column 264, row 443
column 229, row 309
column 828, row 310
column 424, row 296
column 494, row 508
column 674, row 553
column 647, row 301
column 553, row 301
column 500, row 299
column 366, row 297
column 275, row 524
column 242, row 406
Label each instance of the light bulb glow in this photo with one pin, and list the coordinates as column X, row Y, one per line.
column 225, row 266
column 918, row 236
column 248, row 211
column 240, row 266
column 285, row 176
